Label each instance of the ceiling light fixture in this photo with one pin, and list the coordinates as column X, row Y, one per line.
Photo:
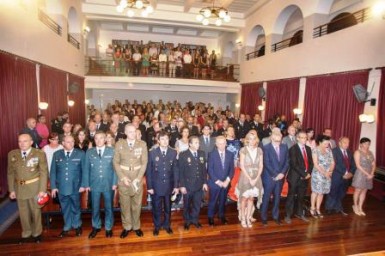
column 130, row 6
column 220, row 14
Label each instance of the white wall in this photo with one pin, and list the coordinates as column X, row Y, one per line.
column 23, row 34
column 101, row 97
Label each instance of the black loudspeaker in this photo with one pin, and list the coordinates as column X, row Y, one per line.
column 373, row 102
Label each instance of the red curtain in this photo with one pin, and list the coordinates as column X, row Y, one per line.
column 380, row 149
column 250, row 99
column 53, row 90
column 282, row 98
column 18, row 101
column 330, row 102
column 77, row 94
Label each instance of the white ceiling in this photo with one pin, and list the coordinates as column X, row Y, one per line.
column 170, row 17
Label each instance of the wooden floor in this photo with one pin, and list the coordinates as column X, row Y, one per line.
column 333, row 235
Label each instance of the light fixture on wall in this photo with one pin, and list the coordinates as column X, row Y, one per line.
column 43, row 105
column 261, row 107
column 366, row 118
column 130, row 6
column 86, row 101
column 297, row 111
column 220, row 14
column 237, row 105
column 71, row 103
column 86, row 30
column 378, row 10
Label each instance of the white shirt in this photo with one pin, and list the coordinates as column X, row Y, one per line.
column 153, row 50
column 162, row 57
column 187, row 58
column 101, row 150
column 27, row 152
column 49, row 154
column 136, row 56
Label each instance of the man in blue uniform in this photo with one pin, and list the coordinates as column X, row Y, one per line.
column 100, row 178
column 65, row 177
column 193, row 180
column 162, row 181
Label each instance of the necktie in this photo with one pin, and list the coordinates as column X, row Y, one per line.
column 164, row 153
column 223, row 160
column 195, row 154
column 277, row 151
column 207, row 140
column 24, row 155
column 100, row 153
column 346, row 160
column 68, row 154
column 305, row 159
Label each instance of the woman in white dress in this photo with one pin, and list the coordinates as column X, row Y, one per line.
column 250, row 183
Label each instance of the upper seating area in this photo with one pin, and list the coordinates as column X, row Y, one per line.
column 160, row 59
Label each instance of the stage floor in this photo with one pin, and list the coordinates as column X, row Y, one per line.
column 332, row 235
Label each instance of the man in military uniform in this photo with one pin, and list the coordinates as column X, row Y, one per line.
column 130, row 162
column 65, row 178
column 27, row 179
column 193, row 180
column 99, row 177
column 162, row 181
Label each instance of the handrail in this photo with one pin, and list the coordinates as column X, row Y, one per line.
column 255, row 54
column 72, row 40
column 284, row 44
column 96, row 66
column 49, row 22
column 360, row 16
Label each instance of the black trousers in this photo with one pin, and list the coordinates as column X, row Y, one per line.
column 161, row 204
column 295, row 197
column 192, row 206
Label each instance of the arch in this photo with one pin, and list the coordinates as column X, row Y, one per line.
column 254, row 34
column 341, row 21
column 324, row 6
column 73, row 21
column 283, row 17
column 54, row 9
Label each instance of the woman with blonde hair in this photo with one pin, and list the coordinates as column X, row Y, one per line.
column 250, row 182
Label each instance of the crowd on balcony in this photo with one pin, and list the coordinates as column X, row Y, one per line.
column 159, row 59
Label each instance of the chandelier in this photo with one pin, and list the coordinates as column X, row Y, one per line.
column 220, row 14
column 144, row 6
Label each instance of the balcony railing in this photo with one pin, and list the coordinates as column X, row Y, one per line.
column 256, row 54
column 103, row 67
column 296, row 39
column 49, row 22
column 73, row 41
column 360, row 16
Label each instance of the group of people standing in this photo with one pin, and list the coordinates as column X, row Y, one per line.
column 195, row 162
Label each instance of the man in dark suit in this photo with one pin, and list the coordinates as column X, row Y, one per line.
column 275, row 165
column 162, row 182
column 172, row 130
column 223, row 129
column 100, row 126
column 193, row 179
column 301, row 165
column 31, row 130
column 100, row 178
column 92, row 132
column 241, row 127
column 341, row 177
column 194, row 131
column 206, row 142
column 139, row 126
column 152, row 132
column 221, row 171
column 257, row 125
column 65, row 177
column 290, row 140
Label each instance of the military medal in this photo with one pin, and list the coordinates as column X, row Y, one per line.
column 157, row 158
column 189, row 160
column 202, row 160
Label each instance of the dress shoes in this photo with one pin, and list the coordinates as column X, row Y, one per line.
column 139, row 232
column 278, row 222
column 302, row 217
column 78, row 231
column 108, row 233
column 224, row 221
column 264, row 223
column 169, row 231
column 63, row 234
column 288, row 220
column 155, row 232
column 211, row 221
column 186, row 226
column 124, row 233
column 343, row 213
column 37, row 239
column 93, row 233
column 23, row 240
column 197, row 225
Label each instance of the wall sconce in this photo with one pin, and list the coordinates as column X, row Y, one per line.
column 364, row 118
column 261, row 107
column 71, row 103
column 86, row 30
column 238, row 43
column 237, row 105
column 43, row 105
column 297, row 111
column 86, row 101
column 378, row 10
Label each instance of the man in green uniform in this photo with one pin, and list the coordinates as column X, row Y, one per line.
column 130, row 162
column 27, row 180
